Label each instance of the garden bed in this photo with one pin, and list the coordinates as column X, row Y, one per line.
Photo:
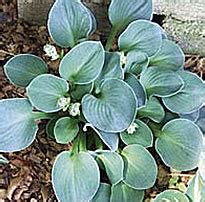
column 27, row 176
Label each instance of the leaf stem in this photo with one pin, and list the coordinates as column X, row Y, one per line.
column 61, row 55
column 41, row 115
column 82, row 142
column 158, row 133
column 79, row 144
column 156, row 129
column 75, row 147
column 111, row 38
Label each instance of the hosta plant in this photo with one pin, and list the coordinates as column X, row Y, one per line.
column 113, row 104
column 196, row 186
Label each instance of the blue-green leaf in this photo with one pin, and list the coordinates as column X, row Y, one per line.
column 179, row 144
column 122, row 12
column 103, row 194
column 88, row 68
column 111, row 140
column 123, row 193
column 169, row 56
column 142, row 136
column 141, row 36
column 201, row 165
column 45, row 91
column 162, row 83
column 70, row 22
column 3, row 160
column 193, row 116
column 171, row 195
column 113, row 109
column 137, row 87
column 190, row 98
column 65, row 130
column 23, row 68
column 196, row 188
column 50, row 127
column 152, row 110
column 111, row 68
column 163, row 32
column 114, row 166
column 136, row 62
column 75, row 178
column 140, row 167
column 17, row 125
column 201, row 119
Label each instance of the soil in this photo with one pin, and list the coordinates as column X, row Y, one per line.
column 27, row 176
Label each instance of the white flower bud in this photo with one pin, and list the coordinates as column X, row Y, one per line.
column 51, row 51
column 132, row 128
column 123, row 59
column 64, row 103
column 74, row 109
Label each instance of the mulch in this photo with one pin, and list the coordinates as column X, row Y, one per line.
column 27, row 177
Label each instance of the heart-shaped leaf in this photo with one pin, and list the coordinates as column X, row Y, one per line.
column 136, row 62
column 17, row 125
column 169, row 56
column 140, row 167
column 111, row 140
column 171, row 195
column 152, row 110
column 122, row 12
column 114, row 166
column 111, row 68
column 75, row 178
column 113, row 109
column 45, row 91
column 70, row 22
column 23, row 68
column 194, row 116
column 142, row 136
column 142, row 36
column 137, row 87
column 196, row 189
column 122, row 192
column 201, row 165
column 179, row 144
column 201, row 119
column 103, row 194
column 162, row 83
column 193, row 94
column 93, row 21
column 88, row 68
column 65, row 130
column 163, row 32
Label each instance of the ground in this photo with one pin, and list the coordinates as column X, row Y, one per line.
column 27, row 176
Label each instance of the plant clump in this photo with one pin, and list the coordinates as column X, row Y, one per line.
column 112, row 105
